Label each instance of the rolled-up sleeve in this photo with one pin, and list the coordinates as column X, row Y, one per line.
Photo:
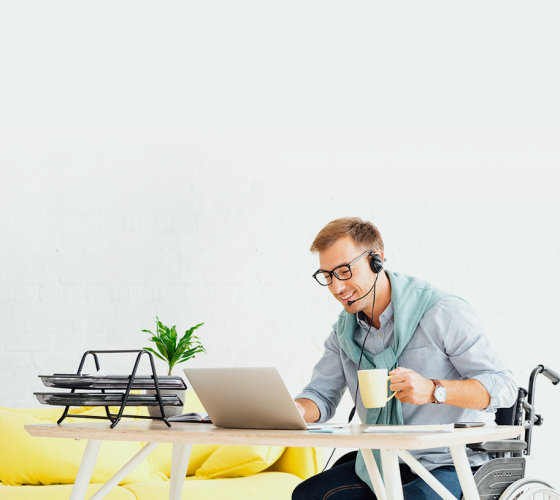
column 328, row 383
column 468, row 347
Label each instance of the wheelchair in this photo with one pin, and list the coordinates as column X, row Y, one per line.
column 503, row 477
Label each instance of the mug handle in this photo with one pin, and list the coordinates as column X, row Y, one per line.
column 388, row 380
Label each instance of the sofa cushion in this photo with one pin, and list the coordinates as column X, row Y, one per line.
column 35, row 461
column 216, row 460
column 268, row 485
column 58, row 492
column 239, row 461
column 161, row 457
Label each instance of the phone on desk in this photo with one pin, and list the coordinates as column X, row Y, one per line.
column 463, row 425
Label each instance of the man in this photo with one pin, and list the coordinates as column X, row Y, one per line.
column 432, row 343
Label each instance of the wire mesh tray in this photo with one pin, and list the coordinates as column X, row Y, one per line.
column 73, row 381
column 107, row 399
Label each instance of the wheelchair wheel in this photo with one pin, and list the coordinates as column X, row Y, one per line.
column 530, row 489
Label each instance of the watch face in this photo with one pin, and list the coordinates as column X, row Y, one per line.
column 440, row 394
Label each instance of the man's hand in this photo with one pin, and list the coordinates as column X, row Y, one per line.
column 411, row 387
column 415, row 389
column 308, row 409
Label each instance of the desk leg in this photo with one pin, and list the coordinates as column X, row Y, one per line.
column 422, row 472
column 86, row 470
column 179, row 465
column 374, row 475
column 464, row 471
column 119, row 476
column 392, row 474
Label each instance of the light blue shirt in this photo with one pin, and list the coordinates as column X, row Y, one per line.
column 448, row 344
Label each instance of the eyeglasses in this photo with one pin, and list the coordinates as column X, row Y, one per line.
column 342, row 273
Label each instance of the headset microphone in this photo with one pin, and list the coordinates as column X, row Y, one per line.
column 350, row 302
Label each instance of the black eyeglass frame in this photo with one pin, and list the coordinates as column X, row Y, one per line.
column 333, row 272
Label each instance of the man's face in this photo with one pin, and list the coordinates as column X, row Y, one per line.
column 343, row 252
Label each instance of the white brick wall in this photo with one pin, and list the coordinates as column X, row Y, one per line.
column 183, row 171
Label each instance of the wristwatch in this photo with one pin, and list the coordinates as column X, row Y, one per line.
column 440, row 392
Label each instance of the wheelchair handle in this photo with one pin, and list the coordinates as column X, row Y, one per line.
column 529, row 405
column 550, row 374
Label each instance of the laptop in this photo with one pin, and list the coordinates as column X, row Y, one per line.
column 246, row 398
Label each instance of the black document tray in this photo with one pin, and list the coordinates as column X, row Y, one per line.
column 74, row 381
column 113, row 399
column 124, row 383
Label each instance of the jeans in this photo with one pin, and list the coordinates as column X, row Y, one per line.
column 342, row 483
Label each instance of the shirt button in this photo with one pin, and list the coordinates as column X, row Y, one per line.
column 379, row 335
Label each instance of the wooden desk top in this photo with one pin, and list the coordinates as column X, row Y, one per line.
column 158, row 432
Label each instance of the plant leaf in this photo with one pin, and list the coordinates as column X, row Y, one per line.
column 173, row 335
column 191, row 330
column 161, row 348
column 190, row 353
column 154, row 352
column 169, row 346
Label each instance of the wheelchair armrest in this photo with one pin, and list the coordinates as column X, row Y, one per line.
column 501, row 446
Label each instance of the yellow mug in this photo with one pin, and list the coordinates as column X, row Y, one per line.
column 374, row 387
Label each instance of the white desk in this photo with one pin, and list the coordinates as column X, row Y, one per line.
column 183, row 436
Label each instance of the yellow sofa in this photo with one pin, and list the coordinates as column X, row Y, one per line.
column 45, row 468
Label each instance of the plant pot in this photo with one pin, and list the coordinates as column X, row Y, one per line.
column 170, row 411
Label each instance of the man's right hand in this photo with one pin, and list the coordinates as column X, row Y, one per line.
column 301, row 409
column 308, row 409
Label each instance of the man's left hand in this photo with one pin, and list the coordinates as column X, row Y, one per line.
column 411, row 387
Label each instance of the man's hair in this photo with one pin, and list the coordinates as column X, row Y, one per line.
column 364, row 234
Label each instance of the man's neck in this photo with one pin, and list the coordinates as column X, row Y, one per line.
column 382, row 300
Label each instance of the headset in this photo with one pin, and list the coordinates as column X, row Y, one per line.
column 376, row 265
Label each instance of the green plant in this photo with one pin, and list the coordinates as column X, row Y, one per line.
column 171, row 350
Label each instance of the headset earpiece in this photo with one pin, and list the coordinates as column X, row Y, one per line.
column 376, row 263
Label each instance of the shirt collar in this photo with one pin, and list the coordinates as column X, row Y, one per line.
column 386, row 316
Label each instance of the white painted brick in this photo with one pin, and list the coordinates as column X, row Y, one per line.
column 123, row 294
column 113, row 224
column 74, row 293
column 167, row 311
column 134, row 325
column 215, row 223
column 26, row 274
column 60, row 360
column 11, row 326
column 78, row 326
column 6, row 311
column 26, row 293
column 15, row 359
column 153, row 223
column 22, row 342
column 141, row 294
column 136, row 310
column 116, row 326
column 136, row 224
column 184, row 224
column 100, row 293
column 115, row 258
column 77, row 276
column 25, row 310
column 195, row 293
column 53, row 326
column 93, row 326
column 51, row 294
column 170, row 293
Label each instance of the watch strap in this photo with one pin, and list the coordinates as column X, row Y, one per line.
column 438, row 384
